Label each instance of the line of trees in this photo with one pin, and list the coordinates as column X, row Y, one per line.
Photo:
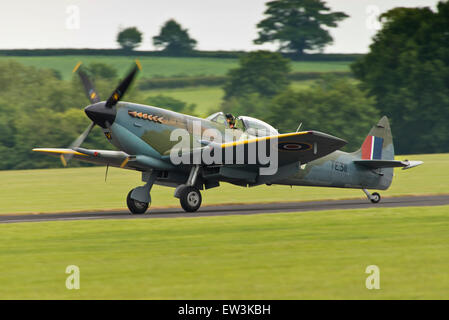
column 39, row 109
column 404, row 76
column 407, row 72
column 296, row 25
column 260, row 87
column 172, row 39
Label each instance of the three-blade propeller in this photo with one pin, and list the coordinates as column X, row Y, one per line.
column 94, row 98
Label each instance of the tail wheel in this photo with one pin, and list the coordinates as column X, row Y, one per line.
column 136, row 207
column 375, row 197
column 190, row 199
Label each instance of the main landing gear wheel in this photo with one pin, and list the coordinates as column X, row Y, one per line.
column 375, row 197
column 190, row 199
column 136, row 207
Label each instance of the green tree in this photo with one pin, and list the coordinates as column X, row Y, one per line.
column 251, row 104
column 102, row 71
column 298, row 25
column 7, row 128
column 261, row 72
column 129, row 38
column 334, row 105
column 25, row 88
column 55, row 129
column 37, row 109
column 170, row 103
column 407, row 71
column 173, row 39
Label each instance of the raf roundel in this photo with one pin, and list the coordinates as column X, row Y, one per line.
column 293, row 146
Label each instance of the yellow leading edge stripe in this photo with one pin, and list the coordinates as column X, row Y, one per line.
column 233, row 144
column 60, row 151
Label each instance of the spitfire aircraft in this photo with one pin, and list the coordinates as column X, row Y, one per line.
column 143, row 136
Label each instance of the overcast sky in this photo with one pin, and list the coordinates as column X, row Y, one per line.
column 215, row 24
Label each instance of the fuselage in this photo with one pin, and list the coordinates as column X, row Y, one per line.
column 147, row 130
column 338, row 170
column 157, row 134
column 192, row 154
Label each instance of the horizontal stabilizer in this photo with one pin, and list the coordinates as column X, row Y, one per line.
column 378, row 164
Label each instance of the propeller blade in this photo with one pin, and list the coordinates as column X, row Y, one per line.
column 82, row 137
column 123, row 86
column 75, row 144
column 89, row 87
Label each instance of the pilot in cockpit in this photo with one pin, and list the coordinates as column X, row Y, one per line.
column 230, row 119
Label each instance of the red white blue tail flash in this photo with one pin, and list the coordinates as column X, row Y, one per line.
column 372, row 148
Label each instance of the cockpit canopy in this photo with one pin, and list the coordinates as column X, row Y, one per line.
column 218, row 117
column 257, row 127
column 251, row 126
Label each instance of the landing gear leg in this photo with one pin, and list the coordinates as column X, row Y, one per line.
column 139, row 199
column 188, row 194
column 373, row 197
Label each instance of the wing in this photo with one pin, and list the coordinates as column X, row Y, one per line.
column 290, row 147
column 104, row 157
column 111, row 158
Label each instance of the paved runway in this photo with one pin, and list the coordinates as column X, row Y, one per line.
column 238, row 209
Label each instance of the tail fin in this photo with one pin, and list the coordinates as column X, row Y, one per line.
column 377, row 154
column 376, row 151
column 378, row 145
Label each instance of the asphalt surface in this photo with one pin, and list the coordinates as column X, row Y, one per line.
column 238, row 209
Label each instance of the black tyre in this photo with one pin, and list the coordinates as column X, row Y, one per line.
column 136, row 207
column 190, row 199
column 375, row 197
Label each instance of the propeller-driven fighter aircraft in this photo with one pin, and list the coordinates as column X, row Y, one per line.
column 221, row 148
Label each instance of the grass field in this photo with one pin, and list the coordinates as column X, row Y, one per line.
column 164, row 66
column 207, row 99
column 74, row 189
column 309, row 255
